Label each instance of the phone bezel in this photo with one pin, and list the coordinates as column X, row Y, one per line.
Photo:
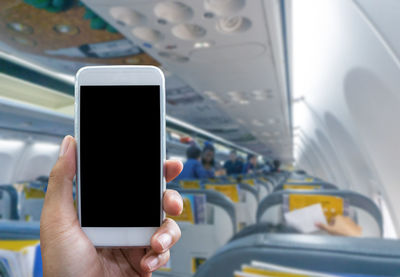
column 120, row 75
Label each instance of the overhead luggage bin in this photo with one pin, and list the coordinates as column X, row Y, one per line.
column 360, row 208
column 331, row 255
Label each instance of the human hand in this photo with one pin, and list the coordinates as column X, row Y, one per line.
column 67, row 251
column 341, row 226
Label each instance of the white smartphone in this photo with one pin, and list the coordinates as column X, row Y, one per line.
column 120, row 134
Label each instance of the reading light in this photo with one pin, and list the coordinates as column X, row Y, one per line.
column 203, row 44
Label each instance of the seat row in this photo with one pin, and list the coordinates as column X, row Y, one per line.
column 217, row 213
column 237, row 207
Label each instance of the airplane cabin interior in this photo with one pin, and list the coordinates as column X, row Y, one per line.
column 298, row 101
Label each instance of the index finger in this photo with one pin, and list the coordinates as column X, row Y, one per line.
column 172, row 202
column 172, row 169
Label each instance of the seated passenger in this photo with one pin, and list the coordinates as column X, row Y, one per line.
column 341, row 226
column 267, row 168
column 251, row 165
column 193, row 169
column 233, row 165
column 208, row 160
column 277, row 164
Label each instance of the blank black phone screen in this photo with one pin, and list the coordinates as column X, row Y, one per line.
column 120, row 152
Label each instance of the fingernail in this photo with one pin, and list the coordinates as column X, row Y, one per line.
column 64, row 146
column 165, row 240
column 152, row 262
column 179, row 200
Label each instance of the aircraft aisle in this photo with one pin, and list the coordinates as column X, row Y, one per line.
column 288, row 109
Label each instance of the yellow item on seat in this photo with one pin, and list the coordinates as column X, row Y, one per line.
column 33, row 193
column 270, row 273
column 230, row 190
column 250, row 182
column 17, row 245
column 190, row 184
column 303, row 187
column 331, row 205
column 305, row 180
column 187, row 214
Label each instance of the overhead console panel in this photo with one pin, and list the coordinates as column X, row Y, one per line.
column 217, row 48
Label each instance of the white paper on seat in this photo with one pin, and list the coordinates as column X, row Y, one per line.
column 304, row 219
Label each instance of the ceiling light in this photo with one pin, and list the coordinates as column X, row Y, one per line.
column 127, row 17
column 175, row 12
column 20, row 27
column 148, row 34
column 234, row 24
column 243, row 102
column 212, row 95
column 259, row 94
column 238, row 97
column 272, row 120
column 66, row 29
column 202, row 44
column 188, row 31
column 257, row 123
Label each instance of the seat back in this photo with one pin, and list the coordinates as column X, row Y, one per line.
column 32, row 200
column 362, row 209
column 20, row 253
column 19, row 230
column 246, row 208
column 305, row 185
column 199, row 241
column 327, row 254
column 263, row 228
column 9, row 203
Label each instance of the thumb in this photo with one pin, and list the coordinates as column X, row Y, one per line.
column 59, row 201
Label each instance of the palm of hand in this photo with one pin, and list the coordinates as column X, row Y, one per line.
column 67, row 251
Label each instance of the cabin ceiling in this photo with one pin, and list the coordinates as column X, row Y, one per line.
column 223, row 59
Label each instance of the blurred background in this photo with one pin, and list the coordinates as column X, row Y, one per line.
column 289, row 106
